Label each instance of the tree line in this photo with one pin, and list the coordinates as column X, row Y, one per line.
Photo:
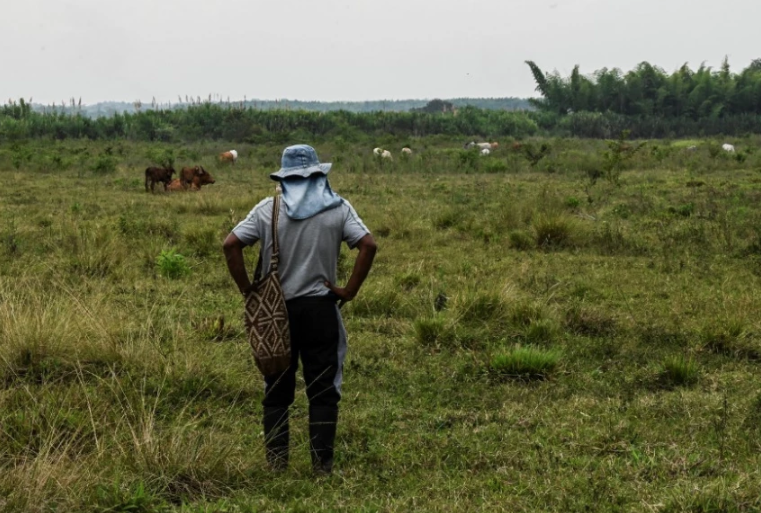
column 19, row 121
column 647, row 102
column 110, row 108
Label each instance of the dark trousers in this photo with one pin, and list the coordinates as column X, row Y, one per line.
column 318, row 339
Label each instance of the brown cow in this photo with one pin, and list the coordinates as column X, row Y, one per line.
column 158, row 174
column 194, row 184
column 190, row 174
column 177, row 186
column 229, row 156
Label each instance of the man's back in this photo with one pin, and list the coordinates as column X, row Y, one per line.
column 309, row 248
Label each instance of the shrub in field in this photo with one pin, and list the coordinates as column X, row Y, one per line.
column 172, row 265
column 468, row 159
column 104, row 164
column 521, row 240
column 56, row 162
column 534, row 155
column 553, row 231
column 679, row 371
column 730, row 338
column 164, row 157
column 525, row 363
column 619, row 152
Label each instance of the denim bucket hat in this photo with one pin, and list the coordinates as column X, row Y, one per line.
column 300, row 160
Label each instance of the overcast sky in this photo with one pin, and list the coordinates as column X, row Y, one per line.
column 349, row 49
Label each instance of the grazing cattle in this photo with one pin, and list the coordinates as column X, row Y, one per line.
column 692, row 148
column 485, row 151
column 482, row 145
column 728, row 147
column 229, row 156
column 195, row 184
column 384, row 154
column 188, row 174
column 158, row 174
column 406, row 151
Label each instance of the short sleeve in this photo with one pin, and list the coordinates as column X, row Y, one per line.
column 354, row 229
column 248, row 231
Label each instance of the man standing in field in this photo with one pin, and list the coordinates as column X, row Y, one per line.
column 313, row 222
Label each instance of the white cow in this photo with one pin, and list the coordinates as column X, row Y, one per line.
column 728, row 147
column 488, row 146
column 386, row 155
column 406, row 151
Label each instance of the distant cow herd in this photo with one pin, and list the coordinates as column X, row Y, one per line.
column 193, row 178
column 190, row 178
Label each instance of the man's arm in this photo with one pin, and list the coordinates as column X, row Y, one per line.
column 233, row 248
column 362, row 265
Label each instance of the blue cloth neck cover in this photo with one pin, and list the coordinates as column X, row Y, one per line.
column 307, row 197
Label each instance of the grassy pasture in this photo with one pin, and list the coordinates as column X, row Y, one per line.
column 531, row 338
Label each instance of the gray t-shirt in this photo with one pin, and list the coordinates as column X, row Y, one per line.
column 309, row 248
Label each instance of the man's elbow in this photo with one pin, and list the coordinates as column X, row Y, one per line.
column 368, row 245
column 231, row 244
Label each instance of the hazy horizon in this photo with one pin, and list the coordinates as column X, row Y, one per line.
column 337, row 50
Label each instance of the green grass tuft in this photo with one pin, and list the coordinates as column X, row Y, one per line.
column 525, row 363
column 434, row 331
column 554, row 232
column 680, row 371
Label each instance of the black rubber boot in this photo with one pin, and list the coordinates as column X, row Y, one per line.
column 322, row 435
column 276, row 437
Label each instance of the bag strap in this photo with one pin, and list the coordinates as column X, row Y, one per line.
column 275, row 260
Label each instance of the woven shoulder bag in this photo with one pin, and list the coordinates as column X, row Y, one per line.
column 266, row 313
